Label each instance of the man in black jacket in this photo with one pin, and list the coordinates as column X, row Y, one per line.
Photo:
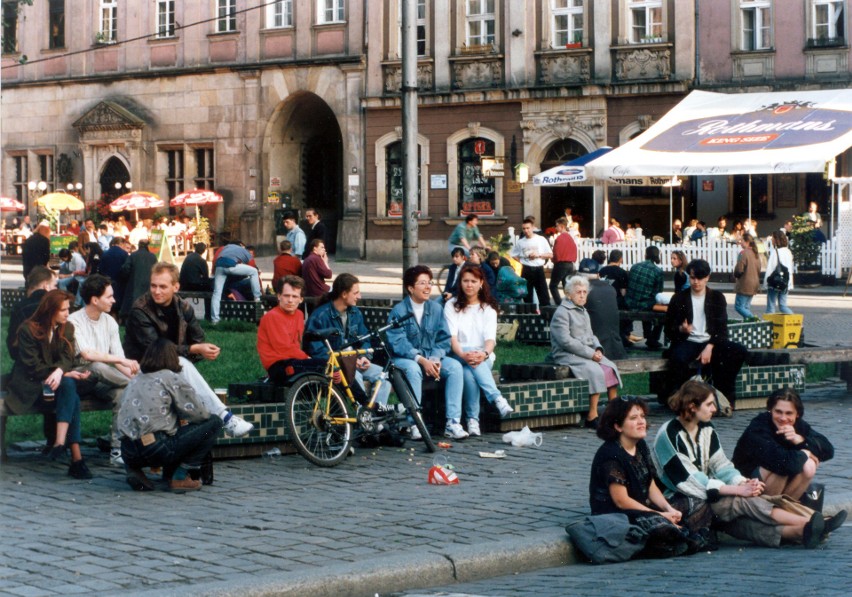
column 36, row 249
column 697, row 327
column 195, row 272
column 160, row 313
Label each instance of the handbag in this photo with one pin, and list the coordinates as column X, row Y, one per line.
column 779, row 279
column 607, row 538
column 723, row 405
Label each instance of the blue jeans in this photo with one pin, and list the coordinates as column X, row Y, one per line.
column 476, row 379
column 772, row 296
column 742, row 305
column 68, row 409
column 241, row 269
column 372, row 375
column 451, row 373
column 187, row 447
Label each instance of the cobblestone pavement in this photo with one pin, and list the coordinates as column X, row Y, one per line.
column 733, row 570
column 287, row 527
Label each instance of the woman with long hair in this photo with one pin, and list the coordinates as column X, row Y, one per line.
column 747, row 276
column 776, row 300
column 42, row 375
column 94, row 254
column 679, row 261
column 472, row 318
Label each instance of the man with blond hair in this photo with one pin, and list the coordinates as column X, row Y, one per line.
column 160, row 313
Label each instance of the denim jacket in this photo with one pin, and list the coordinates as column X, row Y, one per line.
column 326, row 316
column 430, row 339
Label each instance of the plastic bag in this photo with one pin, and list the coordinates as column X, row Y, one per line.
column 523, row 438
column 442, row 472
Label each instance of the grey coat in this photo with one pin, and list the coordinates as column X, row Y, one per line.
column 573, row 343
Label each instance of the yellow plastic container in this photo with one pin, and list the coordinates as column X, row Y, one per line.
column 786, row 329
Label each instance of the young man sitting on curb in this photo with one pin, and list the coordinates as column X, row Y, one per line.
column 160, row 313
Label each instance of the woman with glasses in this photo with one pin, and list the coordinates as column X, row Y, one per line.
column 573, row 343
column 623, row 480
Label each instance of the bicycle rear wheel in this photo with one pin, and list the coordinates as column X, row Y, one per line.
column 311, row 410
column 406, row 396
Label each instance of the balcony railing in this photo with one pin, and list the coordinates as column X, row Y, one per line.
column 825, row 42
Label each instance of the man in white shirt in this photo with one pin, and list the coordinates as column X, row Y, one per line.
column 533, row 251
column 99, row 350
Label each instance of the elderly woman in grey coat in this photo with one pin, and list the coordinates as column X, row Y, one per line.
column 573, row 343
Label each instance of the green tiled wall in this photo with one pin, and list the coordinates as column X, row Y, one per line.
column 760, row 382
column 546, row 398
column 270, row 424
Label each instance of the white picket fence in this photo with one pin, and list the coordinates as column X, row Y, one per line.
column 721, row 255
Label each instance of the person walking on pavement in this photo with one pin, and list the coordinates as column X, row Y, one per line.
column 533, row 251
column 564, row 257
column 466, row 234
column 747, row 276
column 779, row 253
column 233, row 260
column 160, row 313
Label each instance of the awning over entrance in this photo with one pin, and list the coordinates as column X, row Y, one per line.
column 748, row 133
column 573, row 171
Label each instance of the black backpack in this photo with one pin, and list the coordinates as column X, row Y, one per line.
column 780, row 278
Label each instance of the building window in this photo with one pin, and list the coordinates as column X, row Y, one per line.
column 21, row 179
column 45, row 170
column 567, row 22
column 174, row 172
column 165, row 18
column 279, row 14
column 204, row 173
column 10, row 27
column 331, row 11
column 421, row 27
column 56, row 23
column 477, row 194
column 109, row 21
column 395, row 192
column 828, row 23
column 227, row 13
column 480, row 22
column 757, row 21
column 645, row 20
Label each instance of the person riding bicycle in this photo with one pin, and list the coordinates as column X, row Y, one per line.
column 279, row 336
column 338, row 311
column 421, row 345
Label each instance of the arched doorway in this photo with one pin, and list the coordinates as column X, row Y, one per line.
column 554, row 200
column 306, row 154
column 114, row 171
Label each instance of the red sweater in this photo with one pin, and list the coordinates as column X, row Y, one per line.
column 286, row 265
column 564, row 249
column 279, row 337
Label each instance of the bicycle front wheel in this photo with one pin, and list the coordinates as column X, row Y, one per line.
column 406, row 397
column 317, row 419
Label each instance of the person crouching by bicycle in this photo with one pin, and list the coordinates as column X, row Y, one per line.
column 421, row 345
column 279, row 336
column 338, row 311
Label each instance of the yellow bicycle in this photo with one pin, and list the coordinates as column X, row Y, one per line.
column 325, row 418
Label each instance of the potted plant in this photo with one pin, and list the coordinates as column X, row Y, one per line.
column 577, row 42
column 806, row 250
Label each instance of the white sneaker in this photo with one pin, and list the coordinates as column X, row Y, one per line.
column 414, row 433
column 115, row 458
column 454, row 430
column 473, row 428
column 237, row 427
column 504, row 407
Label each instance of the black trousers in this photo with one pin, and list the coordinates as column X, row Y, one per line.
column 535, row 281
column 188, row 446
column 561, row 271
column 725, row 363
column 280, row 372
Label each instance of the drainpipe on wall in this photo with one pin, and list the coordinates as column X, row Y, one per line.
column 697, row 48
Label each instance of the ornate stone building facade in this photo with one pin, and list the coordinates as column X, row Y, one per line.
column 294, row 104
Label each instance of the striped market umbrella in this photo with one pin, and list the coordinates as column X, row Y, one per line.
column 136, row 200
column 9, row 204
column 196, row 198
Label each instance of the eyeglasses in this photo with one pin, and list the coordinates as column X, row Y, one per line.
column 423, row 283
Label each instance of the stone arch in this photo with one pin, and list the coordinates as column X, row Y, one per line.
column 473, row 130
column 381, row 170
